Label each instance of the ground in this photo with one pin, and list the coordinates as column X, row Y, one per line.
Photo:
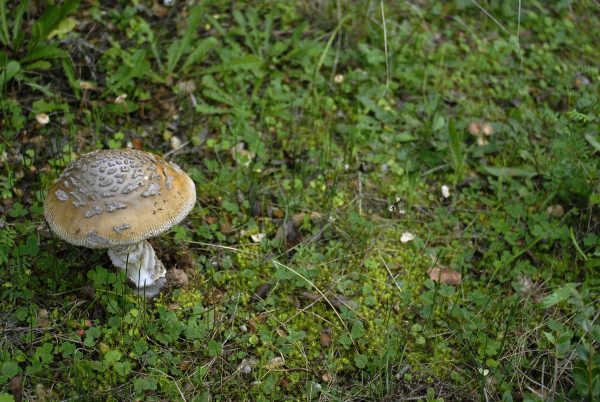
column 395, row 200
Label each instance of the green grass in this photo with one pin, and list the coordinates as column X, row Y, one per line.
column 318, row 138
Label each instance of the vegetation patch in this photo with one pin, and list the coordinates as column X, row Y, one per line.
column 395, row 200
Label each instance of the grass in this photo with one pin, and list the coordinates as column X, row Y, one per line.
column 323, row 260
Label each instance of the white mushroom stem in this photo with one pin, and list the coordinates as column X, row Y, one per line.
column 140, row 264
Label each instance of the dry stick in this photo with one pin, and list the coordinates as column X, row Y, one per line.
column 390, row 272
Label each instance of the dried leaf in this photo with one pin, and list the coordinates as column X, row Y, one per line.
column 184, row 366
column 214, row 296
column 326, row 338
column 225, row 227
column 281, row 332
column 444, row 275
column 260, row 292
column 274, row 362
column 291, row 233
column 137, row 143
column 16, row 387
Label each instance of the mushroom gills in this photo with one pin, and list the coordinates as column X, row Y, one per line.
column 139, row 263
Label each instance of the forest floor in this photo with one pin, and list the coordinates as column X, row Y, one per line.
column 395, row 200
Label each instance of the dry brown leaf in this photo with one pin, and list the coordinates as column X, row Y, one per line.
column 16, row 387
column 326, row 338
column 184, row 366
column 137, row 143
column 291, row 233
column 214, row 296
column 260, row 292
column 285, row 382
column 444, row 275
column 225, row 227
column 251, row 325
column 281, row 332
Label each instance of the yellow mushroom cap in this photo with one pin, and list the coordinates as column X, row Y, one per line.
column 117, row 197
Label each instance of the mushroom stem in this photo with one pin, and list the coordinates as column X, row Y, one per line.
column 140, row 264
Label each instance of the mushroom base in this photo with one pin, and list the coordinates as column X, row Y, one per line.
column 141, row 266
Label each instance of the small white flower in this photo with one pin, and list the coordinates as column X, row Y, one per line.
column 445, row 191
column 42, row 118
column 338, row 78
column 406, row 237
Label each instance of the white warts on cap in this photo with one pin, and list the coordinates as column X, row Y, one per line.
column 94, row 240
column 61, row 195
column 120, row 229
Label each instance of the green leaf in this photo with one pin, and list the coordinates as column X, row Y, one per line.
column 207, row 109
column 361, row 361
column 177, row 49
column 50, row 20
column 202, row 47
column 122, row 368
column 507, row 172
column 18, row 35
column 9, row 369
column 70, row 73
column 63, row 28
column 214, row 348
column 559, row 295
column 112, row 356
column 438, row 123
column 45, row 52
column 6, row 398
column 8, row 72
column 38, row 65
column 144, row 384
column 357, row 330
column 405, row 137
column 593, row 141
column 507, row 397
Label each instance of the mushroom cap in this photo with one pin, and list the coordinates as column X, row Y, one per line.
column 117, row 197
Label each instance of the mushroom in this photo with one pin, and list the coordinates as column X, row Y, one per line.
column 117, row 199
